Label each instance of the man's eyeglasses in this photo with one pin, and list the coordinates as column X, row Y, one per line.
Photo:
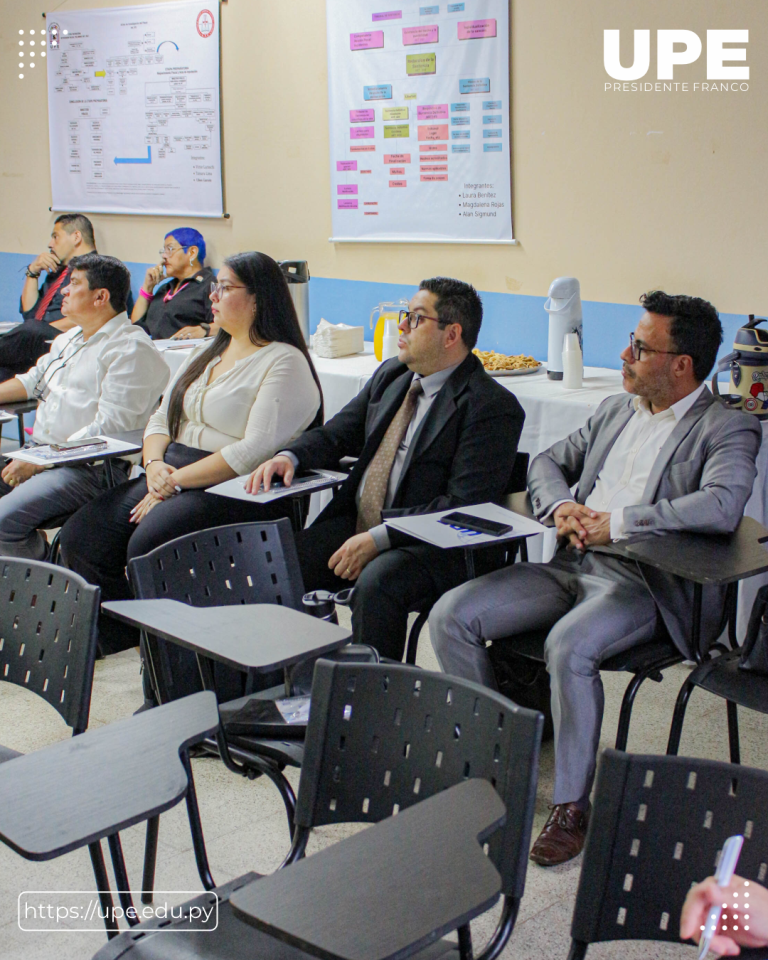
column 414, row 319
column 219, row 289
column 638, row 349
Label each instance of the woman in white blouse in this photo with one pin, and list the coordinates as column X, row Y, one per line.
column 231, row 406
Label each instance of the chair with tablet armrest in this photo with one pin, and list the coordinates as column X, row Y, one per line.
column 381, row 738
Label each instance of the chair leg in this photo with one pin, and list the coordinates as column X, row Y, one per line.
column 54, row 551
column 150, row 860
column 733, row 731
column 503, row 930
column 121, row 878
column 102, row 886
column 413, row 637
column 628, row 701
column 196, row 827
column 465, row 942
column 578, row 950
column 673, row 744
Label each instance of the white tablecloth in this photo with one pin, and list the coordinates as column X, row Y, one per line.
column 551, row 413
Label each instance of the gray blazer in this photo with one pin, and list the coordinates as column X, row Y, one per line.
column 701, row 481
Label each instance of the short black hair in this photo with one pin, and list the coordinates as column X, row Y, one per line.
column 105, row 273
column 77, row 221
column 457, row 302
column 695, row 327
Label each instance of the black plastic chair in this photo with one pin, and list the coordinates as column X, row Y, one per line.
column 722, row 677
column 658, row 825
column 381, row 738
column 492, row 556
column 75, row 793
column 48, row 637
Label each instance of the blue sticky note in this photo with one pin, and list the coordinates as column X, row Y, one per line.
column 460, row 121
column 464, row 147
column 492, row 118
column 491, row 104
column 491, row 133
column 459, row 134
column 460, row 107
column 428, row 11
column 476, row 85
column 381, row 91
column 455, row 7
column 491, row 148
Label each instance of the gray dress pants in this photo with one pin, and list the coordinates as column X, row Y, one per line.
column 594, row 606
column 47, row 495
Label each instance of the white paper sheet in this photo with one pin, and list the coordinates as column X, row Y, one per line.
column 43, row 456
column 320, row 480
column 426, row 526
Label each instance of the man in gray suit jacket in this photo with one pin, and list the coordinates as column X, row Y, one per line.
column 665, row 459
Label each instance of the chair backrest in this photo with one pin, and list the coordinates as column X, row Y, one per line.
column 48, row 635
column 658, row 826
column 237, row 563
column 518, row 480
column 382, row 737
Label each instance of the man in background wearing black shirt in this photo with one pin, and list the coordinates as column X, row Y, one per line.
column 40, row 307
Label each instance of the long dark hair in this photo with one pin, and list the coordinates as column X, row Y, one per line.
column 275, row 320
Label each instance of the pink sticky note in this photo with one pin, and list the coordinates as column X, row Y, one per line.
column 347, row 188
column 433, row 176
column 431, row 147
column 346, row 204
column 475, row 29
column 414, row 35
column 361, row 148
column 397, row 158
column 389, row 15
column 434, row 111
column 398, row 183
column 433, row 167
column 361, row 116
column 434, row 131
column 397, row 171
column 361, row 133
column 367, row 41
column 346, row 165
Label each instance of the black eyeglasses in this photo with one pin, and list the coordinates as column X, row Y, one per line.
column 414, row 319
column 638, row 349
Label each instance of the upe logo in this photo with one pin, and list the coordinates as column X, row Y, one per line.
column 205, row 23
column 677, row 48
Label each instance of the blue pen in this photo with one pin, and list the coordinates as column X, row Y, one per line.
column 725, row 870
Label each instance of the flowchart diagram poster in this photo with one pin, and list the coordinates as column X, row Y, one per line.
column 133, row 109
column 419, row 121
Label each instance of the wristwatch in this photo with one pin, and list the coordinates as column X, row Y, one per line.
column 32, row 276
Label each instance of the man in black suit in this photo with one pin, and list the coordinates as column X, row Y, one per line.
column 431, row 430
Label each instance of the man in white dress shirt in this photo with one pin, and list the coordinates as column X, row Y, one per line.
column 669, row 458
column 103, row 376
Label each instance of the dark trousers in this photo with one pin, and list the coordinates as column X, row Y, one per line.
column 394, row 583
column 22, row 346
column 99, row 540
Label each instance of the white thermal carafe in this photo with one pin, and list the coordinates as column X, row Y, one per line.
column 564, row 309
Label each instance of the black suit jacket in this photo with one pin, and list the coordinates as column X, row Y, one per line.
column 462, row 452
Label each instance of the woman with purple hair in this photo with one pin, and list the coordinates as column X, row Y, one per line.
column 179, row 307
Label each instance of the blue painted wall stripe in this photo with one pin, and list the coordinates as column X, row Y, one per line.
column 512, row 323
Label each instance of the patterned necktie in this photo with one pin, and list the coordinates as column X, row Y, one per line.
column 377, row 480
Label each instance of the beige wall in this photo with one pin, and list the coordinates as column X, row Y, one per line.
column 625, row 191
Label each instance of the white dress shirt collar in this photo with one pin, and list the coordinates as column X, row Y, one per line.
column 677, row 410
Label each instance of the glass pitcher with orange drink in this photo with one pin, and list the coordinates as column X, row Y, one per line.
column 386, row 326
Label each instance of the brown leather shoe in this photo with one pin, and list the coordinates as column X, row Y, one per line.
column 563, row 835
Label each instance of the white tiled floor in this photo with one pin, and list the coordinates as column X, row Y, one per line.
column 245, row 825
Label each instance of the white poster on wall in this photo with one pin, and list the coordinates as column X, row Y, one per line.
column 133, row 109
column 419, row 121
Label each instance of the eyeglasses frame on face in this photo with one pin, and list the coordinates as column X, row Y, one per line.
column 407, row 314
column 171, row 250
column 636, row 351
column 219, row 289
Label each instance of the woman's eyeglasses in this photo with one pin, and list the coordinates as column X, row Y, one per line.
column 218, row 290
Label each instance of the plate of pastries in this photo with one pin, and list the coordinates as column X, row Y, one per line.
column 507, row 365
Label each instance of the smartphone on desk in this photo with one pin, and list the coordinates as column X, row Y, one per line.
column 479, row 524
column 79, row 446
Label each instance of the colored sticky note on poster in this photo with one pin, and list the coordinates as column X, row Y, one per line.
column 431, row 147
column 476, row 29
column 362, row 133
column 379, row 91
column 459, row 121
column 487, row 134
column 398, row 130
column 394, row 113
column 491, row 104
column 346, row 204
column 491, row 118
column 464, row 147
column 346, row 188
column 433, row 176
column 415, row 35
column 346, row 165
column 389, row 15
column 433, row 167
column 491, row 148
column 418, row 64
column 460, row 107
column 455, row 7
column 361, row 148
column 459, row 134
column 476, row 85
column 434, row 131
column 361, row 116
column 409, row 96
column 398, row 183
column 433, row 111
column 428, row 11
column 370, row 40
column 397, row 171
column 397, row 158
